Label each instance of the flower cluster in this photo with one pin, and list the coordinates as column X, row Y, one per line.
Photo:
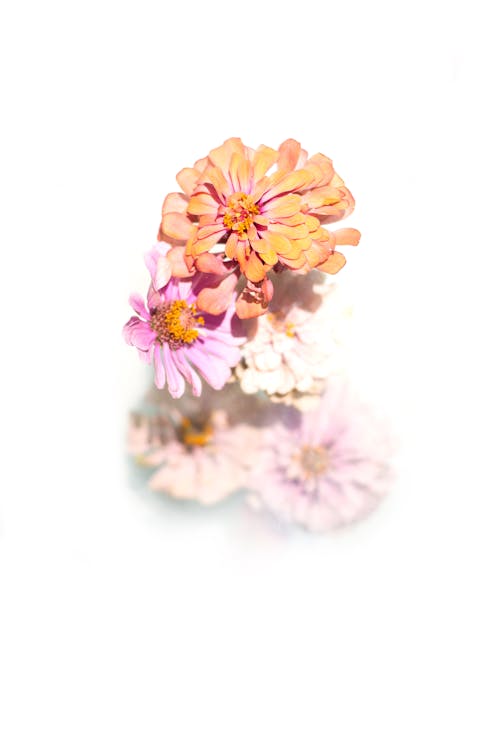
column 240, row 297
column 320, row 469
column 245, row 222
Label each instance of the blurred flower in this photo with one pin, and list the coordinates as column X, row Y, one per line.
column 324, row 468
column 201, row 452
column 261, row 220
column 171, row 333
column 146, row 432
column 297, row 344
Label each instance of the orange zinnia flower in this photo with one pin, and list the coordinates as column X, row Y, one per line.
column 235, row 215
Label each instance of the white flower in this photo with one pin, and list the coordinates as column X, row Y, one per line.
column 298, row 343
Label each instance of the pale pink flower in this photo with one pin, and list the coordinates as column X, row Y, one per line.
column 297, row 344
column 248, row 211
column 324, row 468
column 146, row 432
column 171, row 333
column 200, row 453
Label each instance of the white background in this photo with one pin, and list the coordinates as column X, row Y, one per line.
column 128, row 622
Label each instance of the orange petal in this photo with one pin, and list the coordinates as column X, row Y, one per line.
column 325, row 166
column 339, row 205
column 188, row 179
column 263, row 160
column 213, row 176
column 285, row 205
column 201, row 203
column 321, row 196
column 317, row 254
column 207, row 229
column 231, row 245
column 289, row 153
column 208, row 262
column 261, row 221
column 266, row 252
column 297, row 218
column 242, row 252
column 292, row 232
column 255, row 270
column 216, row 299
column 247, row 308
column 311, row 222
column 294, row 263
column 221, row 156
column 262, row 185
column 299, row 245
column 267, row 289
column 328, row 214
column 176, row 225
column 292, row 182
column 175, row 202
column 345, row 236
column 201, row 164
column 280, row 244
column 239, row 173
column 203, row 245
column 321, row 234
column 251, row 233
column 177, row 259
column 335, row 262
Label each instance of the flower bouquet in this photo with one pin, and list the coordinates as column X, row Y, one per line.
column 243, row 326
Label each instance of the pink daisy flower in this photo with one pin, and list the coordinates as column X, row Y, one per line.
column 324, row 468
column 170, row 333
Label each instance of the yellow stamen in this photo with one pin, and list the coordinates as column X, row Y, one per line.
column 194, row 436
column 240, row 212
column 280, row 325
column 175, row 322
column 313, row 460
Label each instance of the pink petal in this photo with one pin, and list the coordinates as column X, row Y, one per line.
column 214, row 370
column 137, row 303
column 187, row 371
column 163, row 273
column 143, row 337
column 129, row 327
column 229, row 354
column 175, row 382
column 159, row 368
column 145, row 356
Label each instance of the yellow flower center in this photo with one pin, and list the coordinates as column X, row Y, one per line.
column 195, row 435
column 280, row 325
column 240, row 212
column 174, row 323
column 313, row 460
